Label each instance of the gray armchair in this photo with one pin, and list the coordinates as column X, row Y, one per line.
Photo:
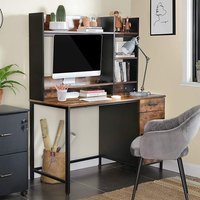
column 167, row 139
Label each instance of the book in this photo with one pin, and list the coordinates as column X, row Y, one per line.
column 93, row 94
column 89, row 29
column 91, row 91
column 120, row 71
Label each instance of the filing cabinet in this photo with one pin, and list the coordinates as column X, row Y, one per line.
column 13, row 150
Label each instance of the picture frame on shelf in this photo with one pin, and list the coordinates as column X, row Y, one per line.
column 162, row 17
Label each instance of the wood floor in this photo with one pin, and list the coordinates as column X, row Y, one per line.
column 91, row 181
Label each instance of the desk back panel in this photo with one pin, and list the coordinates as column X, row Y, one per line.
column 118, row 126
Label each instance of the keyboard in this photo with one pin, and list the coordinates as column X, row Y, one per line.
column 95, row 98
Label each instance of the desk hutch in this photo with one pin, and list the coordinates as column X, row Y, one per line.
column 120, row 121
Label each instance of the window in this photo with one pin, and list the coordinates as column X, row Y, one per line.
column 196, row 37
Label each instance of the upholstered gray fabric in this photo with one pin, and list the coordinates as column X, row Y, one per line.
column 167, row 139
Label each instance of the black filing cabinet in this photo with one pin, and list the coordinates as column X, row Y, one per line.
column 13, row 150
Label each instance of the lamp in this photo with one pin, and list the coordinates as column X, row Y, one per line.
column 1, row 18
column 128, row 48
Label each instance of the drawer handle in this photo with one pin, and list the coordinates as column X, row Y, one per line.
column 5, row 175
column 5, row 134
column 152, row 104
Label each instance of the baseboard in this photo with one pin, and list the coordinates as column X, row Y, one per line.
column 190, row 169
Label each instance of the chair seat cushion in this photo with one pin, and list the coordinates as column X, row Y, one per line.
column 135, row 148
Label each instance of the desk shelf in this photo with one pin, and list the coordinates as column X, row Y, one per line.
column 107, row 78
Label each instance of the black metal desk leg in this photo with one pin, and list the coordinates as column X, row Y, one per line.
column 67, row 151
column 31, row 141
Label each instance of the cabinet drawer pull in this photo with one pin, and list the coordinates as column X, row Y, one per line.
column 152, row 104
column 5, row 134
column 5, row 175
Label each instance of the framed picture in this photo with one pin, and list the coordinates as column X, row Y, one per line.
column 162, row 17
column 1, row 18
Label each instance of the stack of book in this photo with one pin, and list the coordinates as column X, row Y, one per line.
column 92, row 93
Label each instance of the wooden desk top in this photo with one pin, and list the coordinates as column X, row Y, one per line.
column 73, row 103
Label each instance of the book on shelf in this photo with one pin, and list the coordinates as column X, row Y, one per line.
column 90, row 29
column 122, row 71
column 122, row 55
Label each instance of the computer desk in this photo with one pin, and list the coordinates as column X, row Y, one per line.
column 120, row 121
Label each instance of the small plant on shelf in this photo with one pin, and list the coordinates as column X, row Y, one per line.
column 58, row 20
column 60, row 14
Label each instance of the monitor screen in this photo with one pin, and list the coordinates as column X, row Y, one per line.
column 77, row 55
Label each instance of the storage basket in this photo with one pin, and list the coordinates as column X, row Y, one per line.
column 53, row 164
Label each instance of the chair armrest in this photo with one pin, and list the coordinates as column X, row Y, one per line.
column 160, row 124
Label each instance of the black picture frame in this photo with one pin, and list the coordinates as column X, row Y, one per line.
column 162, row 17
column 1, row 18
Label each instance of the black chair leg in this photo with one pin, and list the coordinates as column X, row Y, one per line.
column 137, row 179
column 161, row 165
column 183, row 178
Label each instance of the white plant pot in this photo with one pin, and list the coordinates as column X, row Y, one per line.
column 58, row 26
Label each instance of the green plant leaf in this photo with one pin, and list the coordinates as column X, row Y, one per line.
column 5, row 74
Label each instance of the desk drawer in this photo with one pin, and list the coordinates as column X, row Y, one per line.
column 13, row 173
column 153, row 104
column 147, row 116
column 13, row 133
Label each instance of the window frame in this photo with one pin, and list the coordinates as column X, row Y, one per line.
column 196, row 37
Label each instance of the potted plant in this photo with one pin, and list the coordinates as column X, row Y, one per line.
column 5, row 82
column 58, row 21
column 198, row 70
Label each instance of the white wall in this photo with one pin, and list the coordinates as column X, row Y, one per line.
column 165, row 72
column 14, row 48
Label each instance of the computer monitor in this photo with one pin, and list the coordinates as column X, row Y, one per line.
column 77, row 55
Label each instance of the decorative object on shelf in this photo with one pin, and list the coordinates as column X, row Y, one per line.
column 128, row 48
column 46, row 23
column 198, row 70
column 93, row 22
column 1, row 18
column 5, row 73
column 118, row 21
column 162, row 17
column 127, row 25
column 86, row 21
column 58, row 22
column 52, row 17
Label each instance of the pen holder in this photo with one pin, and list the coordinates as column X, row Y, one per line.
column 62, row 95
column 53, row 164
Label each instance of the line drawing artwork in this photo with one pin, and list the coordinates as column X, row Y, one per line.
column 161, row 14
column 162, row 17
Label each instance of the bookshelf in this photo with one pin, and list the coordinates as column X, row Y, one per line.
column 106, row 81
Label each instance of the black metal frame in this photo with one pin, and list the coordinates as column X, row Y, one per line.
column 117, row 109
column 182, row 175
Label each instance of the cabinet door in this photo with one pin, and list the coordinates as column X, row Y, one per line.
column 13, row 173
column 13, row 133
